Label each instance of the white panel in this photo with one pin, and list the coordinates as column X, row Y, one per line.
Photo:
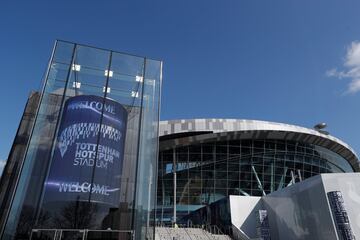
column 243, row 213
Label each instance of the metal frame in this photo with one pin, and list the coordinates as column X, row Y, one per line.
column 59, row 232
column 138, row 147
column 289, row 173
column 139, row 129
column 52, row 147
column 27, row 146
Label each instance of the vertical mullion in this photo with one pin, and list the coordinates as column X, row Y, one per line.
column 214, row 170
column 188, row 177
column 138, row 146
column 227, row 169
column 155, row 177
column 100, row 124
column 57, row 126
column 201, row 172
column 239, row 164
column 28, row 144
column 163, row 187
column 175, row 184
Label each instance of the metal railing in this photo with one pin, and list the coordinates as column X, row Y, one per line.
column 80, row 234
column 210, row 232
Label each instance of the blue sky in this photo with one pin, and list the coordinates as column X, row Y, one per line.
column 287, row 60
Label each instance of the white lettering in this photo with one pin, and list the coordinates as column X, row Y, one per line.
column 85, row 187
column 94, row 105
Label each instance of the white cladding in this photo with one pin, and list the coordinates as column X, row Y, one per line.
column 302, row 211
column 243, row 128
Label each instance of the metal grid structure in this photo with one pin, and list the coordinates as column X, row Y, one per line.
column 203, row 161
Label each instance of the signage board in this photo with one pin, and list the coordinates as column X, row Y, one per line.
column 88, row 156
column 340, row 215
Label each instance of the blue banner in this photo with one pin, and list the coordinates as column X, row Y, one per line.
column 88, row 156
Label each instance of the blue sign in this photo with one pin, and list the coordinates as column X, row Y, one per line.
column 88, row 157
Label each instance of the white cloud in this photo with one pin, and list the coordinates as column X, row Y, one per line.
column 351, row 68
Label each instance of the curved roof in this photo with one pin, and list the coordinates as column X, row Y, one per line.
column 202, row 130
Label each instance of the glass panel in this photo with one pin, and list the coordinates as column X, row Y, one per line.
column 110, row 235
column 74, row 198
column 28, row 192
column 72, row 235
column 84, row 167
column 43, row 234
column 149, row 145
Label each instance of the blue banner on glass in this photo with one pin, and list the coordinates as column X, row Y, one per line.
column 88, row 158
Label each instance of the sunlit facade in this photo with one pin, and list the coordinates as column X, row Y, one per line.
column 92, row 161
column 209, row 159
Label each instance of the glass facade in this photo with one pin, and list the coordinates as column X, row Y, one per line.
column 90, row 163
column 209, row 172
column 16, row 154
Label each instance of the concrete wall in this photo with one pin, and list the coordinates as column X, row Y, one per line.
column 243, row 213
column 349, row 185
column 301, row 211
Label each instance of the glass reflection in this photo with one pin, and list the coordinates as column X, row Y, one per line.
column 206, row 173
column 88, row 109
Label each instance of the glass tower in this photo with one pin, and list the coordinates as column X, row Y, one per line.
column 90, row 164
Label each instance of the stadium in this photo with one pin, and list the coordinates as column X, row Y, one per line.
column 204, row 161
